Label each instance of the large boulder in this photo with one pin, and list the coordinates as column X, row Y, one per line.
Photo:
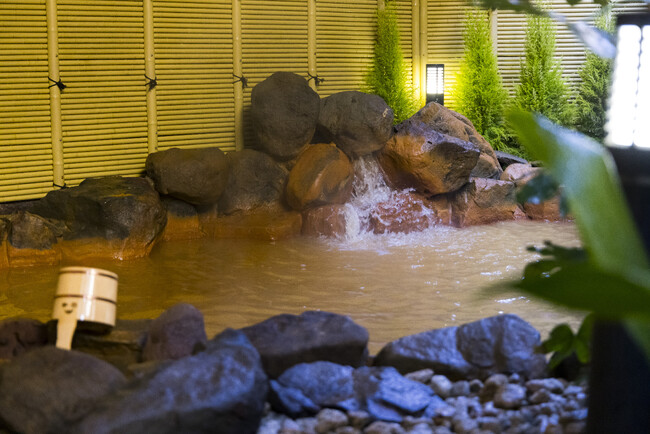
column 499, row 344
column 176, row 333
column 454, row 124
column 255, row 180
column 19, row 335
column 48, row 389
column 285, row 340
column 284, row 112
column 222, row 389
column 272, row 222
column 322, row 175
column 484, row 201
column 127, row 212
column 519, row 173
column 32, row 239
column 419, row 157
column 197, row 176
column 357, row 122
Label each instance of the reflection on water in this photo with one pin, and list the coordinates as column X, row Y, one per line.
column 393, row 285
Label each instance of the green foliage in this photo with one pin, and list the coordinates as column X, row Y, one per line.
column 542, row 89
column 593, row 91
column 388, row 77
column 613, row 279
column 479, row 91
column 562, row 342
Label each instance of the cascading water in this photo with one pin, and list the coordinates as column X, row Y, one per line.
column 372, row 199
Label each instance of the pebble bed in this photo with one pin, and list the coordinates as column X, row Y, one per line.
column 501, row 404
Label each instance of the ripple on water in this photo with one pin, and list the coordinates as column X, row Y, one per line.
column 393, row 284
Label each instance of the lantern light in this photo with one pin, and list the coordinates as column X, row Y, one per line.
column 436, row 83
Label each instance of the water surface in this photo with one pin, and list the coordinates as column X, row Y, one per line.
column 393, row 285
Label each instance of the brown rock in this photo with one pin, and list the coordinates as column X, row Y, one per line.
column 549, row 210
column 327, row 220
column 454, row 124
column 431, row 162
column 405, row 212
column 176, row 333
column 322, row 175
column 485, row 201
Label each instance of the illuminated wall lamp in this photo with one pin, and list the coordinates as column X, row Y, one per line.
column 619, row 387
column 436, row 83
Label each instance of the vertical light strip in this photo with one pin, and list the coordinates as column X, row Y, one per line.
column 237, row 71
column 150, row 72
column 55, row 92
column 311, row 42
column 622, row 107
column 642, row 116
column 415, row 46
column 423, row 46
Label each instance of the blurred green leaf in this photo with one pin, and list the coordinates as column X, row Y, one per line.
column 640, row 330
column 559, row 253
column 542, row 187
column 559, row 340
column 583, row 339
column 588, row 175
column 584, row 286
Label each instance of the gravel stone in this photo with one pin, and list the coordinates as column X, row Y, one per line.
column 421, row 376
column 540, row 396
column 460, row 388
column 421, row 428
column 489, row 423
column 510, row 396
column 329, row 420
column 515, row 378
column 575, row 428
column 475, row 385
column 358, row 418
column 442, row 430
column 491, row 386
column 380, row 427
column 289, row 426
column 307, row 425
column 551, row 384
column 347, row 430
column 464, row 425
column 441, row 385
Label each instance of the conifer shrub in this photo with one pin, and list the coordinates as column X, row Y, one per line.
column 479, row 92
column 593, row 90
column 388, row 76
column 541, row 87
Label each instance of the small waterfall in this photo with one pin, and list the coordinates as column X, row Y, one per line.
column 369, row 192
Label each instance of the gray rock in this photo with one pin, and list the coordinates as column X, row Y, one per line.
column 358, row 123
column 503, row 343
column 286, row 340
column 255, row 180
column 510, row 396
column 112, row 208
column 464, row 425
column 308, row 387
column 196, row 176
column 284, row 113
column 475, row 386
column 19, row 335
column 121, row 346
column 540, row 397
column 358, row 418
column 223, row 387
column 47, row 389
column 176, row 333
